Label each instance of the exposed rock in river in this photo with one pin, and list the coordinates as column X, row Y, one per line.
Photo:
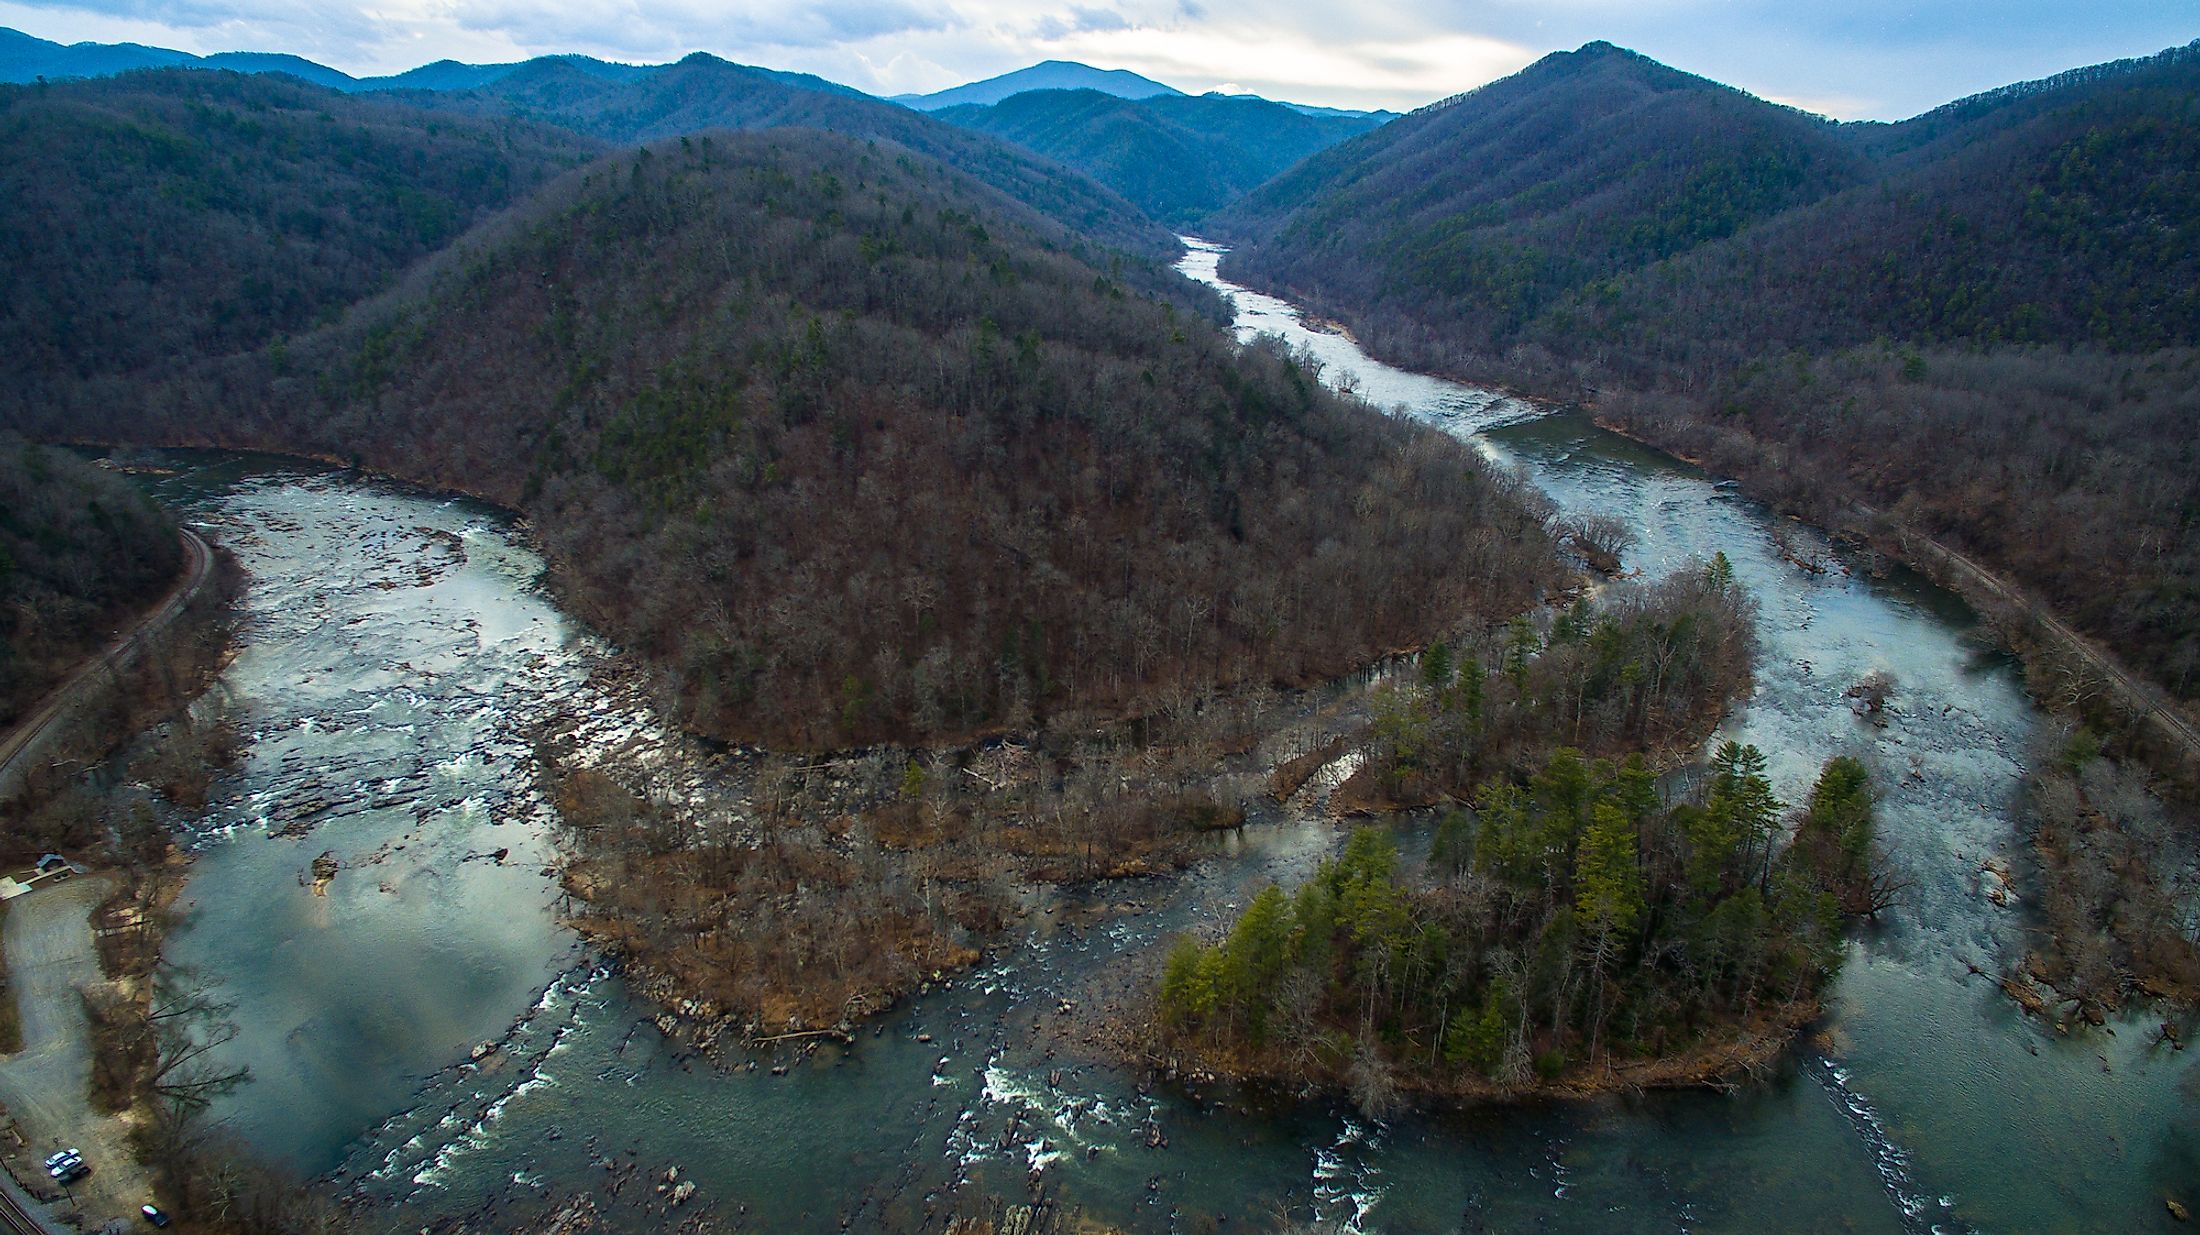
column 324, row 870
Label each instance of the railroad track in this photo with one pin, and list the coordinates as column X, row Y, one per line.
column 2134, row 694
column 16, row 1217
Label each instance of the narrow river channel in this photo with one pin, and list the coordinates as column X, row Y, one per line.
column 398, row 649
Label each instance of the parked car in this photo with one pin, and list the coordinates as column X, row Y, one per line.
column 153, row 1215
column 71, row 1171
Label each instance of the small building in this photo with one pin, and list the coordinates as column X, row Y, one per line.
column 52, row 862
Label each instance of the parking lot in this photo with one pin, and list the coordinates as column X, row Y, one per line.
column 51, row 957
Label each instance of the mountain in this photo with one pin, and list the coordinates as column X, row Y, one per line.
column 452, row 75
column 883, row 433
column 1046, row 75
column 1983, row 320
column 1379, row 115
column 1997, row 340
column 1474, row 216
column 277, row 62
column 703, row 93
column 852, row 448
column 151, row 219
column 1175, row 156
column 24, row 58
column 445, row 75
column 2066, row 213
column 1598, row 197
column 165, row 216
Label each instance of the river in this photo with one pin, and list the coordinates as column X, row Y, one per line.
column 398, row 650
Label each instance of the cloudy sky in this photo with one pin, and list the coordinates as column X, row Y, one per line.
column 1846, row 58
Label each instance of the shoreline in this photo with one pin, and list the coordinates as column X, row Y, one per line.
column 1724, row 1060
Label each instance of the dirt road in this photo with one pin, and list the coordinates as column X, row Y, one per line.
column 45, row 1086
column 2135, row 695
column 22, row 747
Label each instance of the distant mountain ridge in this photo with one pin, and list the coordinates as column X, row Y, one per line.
column 25, row 58
column 621, row 103
column 1380, row 114
column 703, row 92
column 1045, row 75
column 1175, row 156
column 453, row 75
column 1487, row 208
column 1070, row 75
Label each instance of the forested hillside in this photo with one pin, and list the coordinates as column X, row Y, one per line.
column 727, row 375
column 2072, row 470
column 703, row 93
column 1975, row 320
column 81, row 551
column 2066, row 216
column 155, row 218
column 1480, row 214
column 1176, row 157
column 854, row 449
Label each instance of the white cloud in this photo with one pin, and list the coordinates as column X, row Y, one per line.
column 1303, row 50
column 1303, row 66
column 1295, row 49
column 1883, row 58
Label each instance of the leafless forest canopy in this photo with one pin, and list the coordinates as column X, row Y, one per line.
column 81, row 552
column 857, row 452
column 851, row 445
column 876, row 435
column 156, row 219
column 705, row 94
column 1979, row 319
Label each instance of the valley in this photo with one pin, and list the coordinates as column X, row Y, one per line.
column 713, row 651
column 991, row 1080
